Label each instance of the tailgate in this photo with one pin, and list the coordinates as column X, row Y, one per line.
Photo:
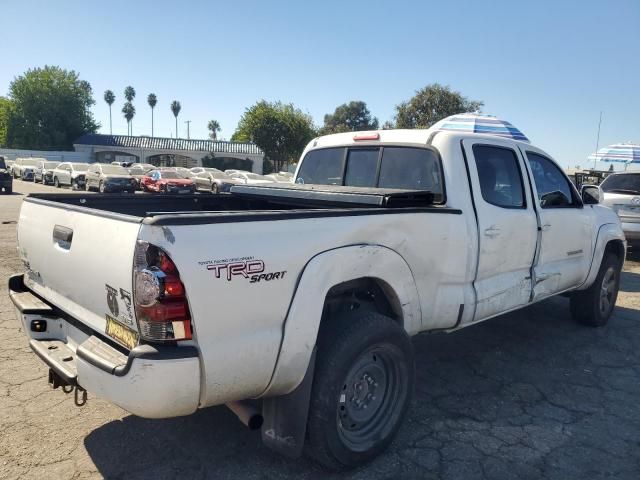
column 79, row 260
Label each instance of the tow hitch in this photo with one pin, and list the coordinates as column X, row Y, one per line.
column 79, row 393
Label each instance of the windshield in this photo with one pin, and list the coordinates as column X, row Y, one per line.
column 114, row 170
column 29, row 162
column 80, row 167
column 51, row 165
column 623, row 183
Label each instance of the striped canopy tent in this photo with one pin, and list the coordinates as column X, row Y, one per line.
column 618, row 153
column 480, row 123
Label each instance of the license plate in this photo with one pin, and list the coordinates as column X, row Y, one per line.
column 121, row 333
column 183, row 191
column 629, row 210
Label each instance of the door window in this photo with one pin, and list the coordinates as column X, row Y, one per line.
column 499, row 175
column 554, row 190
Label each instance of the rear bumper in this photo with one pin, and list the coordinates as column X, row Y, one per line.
column 631, row 232
column 149, row 381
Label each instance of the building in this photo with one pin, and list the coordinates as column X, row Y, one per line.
column 169, row 151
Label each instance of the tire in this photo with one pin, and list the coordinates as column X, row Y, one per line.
column 215, row 189
column 593, row 307
column 87, row 188
column 56, row 182
column 362, row 388
column 101, row 187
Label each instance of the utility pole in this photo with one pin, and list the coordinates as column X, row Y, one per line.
column 188, row 122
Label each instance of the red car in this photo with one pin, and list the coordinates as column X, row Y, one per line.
column 166, row 181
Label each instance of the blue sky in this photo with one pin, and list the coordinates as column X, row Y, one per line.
column 549, row 67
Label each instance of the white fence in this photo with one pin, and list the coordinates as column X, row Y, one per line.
column 12, row 154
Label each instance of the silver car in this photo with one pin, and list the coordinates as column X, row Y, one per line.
column 44, row 171
column 621, row 192
column 215, row 182
column 23, row 168
column 110, row 178
column 71, row 174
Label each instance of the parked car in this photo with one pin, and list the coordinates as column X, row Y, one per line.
column 6, row 180
column 122, row 164
column 70, row 174
column 23, row 168
column 305, row 296
column 231, row 171
column 215, row 182
column 621, row 192
column 109, row 178
column 199, row 170
column 166, row 181
column 281, row 177
column 44, row 171
column 249, row 178
column 137, row 171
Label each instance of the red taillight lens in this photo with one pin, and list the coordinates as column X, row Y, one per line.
column 162, row 311
column 366, row 136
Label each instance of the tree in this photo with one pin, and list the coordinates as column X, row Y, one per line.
column 129, row 111
column 280, row 130
column 349, row 117
column 129, row 93
column 152, row 100
column 51, row 107
column 6, row 110
column 175, row 109
column 109, row 97
column 431, row 104
column 214, row 128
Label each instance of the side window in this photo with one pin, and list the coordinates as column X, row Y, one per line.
column 553, row 187
column 499, row 175
column 362, row 168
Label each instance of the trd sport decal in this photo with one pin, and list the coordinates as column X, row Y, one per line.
column 245, row 267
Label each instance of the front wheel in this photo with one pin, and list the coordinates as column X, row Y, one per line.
column 101, row 188
column 362, row 388
column 594, row 306
column 215, row 189
column 56, row 182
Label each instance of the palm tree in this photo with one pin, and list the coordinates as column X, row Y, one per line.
column 214, row 128
column 129, row 111
column 129, row 93
column 175, row 108
column 109, row 97
column 152, row 100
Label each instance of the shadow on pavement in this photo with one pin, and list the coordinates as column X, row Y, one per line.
column 630, row 282
column 530, row 385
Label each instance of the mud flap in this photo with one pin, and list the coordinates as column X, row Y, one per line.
column 285, row 417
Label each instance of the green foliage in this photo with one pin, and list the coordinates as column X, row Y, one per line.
column 431, row 104
column 6, row 110
column 152, row 100
column 214, row 128
column 50, row 109
column 175, row 108
column 226, row 163
column 109, row 97
column 280, row 130
column 129, row 93
column 349, row 117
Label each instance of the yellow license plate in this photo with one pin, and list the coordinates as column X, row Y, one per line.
column 121, row 333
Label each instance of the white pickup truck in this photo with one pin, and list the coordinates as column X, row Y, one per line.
column 294, row 305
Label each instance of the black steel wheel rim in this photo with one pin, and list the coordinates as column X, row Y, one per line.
column 370, row 398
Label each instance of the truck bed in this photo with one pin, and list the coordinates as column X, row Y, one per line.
column 242, row 200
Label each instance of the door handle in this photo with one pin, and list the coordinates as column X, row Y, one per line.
column 545, row 227
column 492, row 231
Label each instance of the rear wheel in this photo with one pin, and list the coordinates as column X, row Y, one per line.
column 362, row 388
column 101, row 187
column 215, row 189
column 594, row 306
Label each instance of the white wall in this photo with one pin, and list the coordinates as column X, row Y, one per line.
column 12, row 154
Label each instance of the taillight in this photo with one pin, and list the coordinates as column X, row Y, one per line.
column 162, row 309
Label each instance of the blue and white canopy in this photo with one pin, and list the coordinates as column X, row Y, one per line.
column 619, row 152
column 480, row 123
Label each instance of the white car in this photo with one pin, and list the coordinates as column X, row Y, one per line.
column 249, row 178
column 70, row 174
column 24, row 168
column 281, row 177
column 44, row 171
column 301, row 299
column 621, row 192
column 199, row 170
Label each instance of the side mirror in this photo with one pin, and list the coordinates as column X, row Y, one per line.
column 590, row 194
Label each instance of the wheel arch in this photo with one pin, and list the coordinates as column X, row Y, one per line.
column 372, row 275
column 610, row 238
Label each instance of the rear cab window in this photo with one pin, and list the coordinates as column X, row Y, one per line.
column 393, row 167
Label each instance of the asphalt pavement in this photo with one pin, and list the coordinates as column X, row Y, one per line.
column 529, row 395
